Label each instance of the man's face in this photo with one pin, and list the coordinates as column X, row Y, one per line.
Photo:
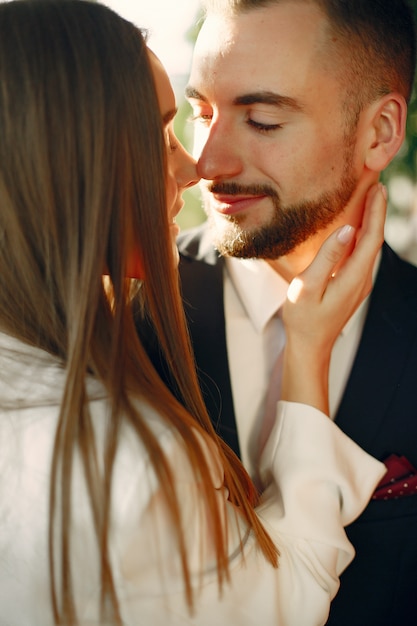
column 274, row 148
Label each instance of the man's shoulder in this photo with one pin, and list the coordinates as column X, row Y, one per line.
column 197, row 244
column 397, row 270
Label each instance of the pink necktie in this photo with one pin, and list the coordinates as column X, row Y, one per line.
column 272, row 397
column 268, row 421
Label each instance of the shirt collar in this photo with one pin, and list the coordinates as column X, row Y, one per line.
column 261, row 290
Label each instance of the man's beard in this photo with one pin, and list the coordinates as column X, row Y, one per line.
column 290, row 225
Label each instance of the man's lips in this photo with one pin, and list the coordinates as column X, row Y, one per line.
column 228, row 204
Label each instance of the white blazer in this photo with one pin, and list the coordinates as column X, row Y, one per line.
column 321, row 481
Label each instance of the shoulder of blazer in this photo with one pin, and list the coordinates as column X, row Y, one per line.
column 201, row 272
column 381, row 386
column 395, row 284
column 196, row 244
column 391, row 258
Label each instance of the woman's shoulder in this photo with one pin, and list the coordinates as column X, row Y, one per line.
column 135, row 479
column 136, row 456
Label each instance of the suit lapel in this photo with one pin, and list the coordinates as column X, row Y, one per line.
column 388, row 340
column 388, row 337
column 201, row 271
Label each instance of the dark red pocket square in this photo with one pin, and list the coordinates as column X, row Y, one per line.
column 399, row 481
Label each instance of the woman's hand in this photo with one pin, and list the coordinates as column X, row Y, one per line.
column 321, row 300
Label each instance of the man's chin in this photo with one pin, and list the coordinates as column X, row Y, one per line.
column 236, row 245
column 227, row 236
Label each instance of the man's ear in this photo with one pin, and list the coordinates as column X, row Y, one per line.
column 386, row 125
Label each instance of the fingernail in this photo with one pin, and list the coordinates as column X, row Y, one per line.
column 383, row 190
column 345, row 234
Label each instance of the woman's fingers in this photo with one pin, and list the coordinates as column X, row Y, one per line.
column 321, row 300
column 316, row 276
column 357, row 271
column 373, row 221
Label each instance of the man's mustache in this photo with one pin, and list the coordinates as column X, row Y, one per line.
column 237, row 189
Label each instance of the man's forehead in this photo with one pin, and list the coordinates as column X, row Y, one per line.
column 257, row 51
column 298, row 25
column 216, row 36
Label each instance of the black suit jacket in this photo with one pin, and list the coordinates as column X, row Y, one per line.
column 378, row 410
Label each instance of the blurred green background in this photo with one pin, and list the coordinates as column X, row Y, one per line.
column 400, row 177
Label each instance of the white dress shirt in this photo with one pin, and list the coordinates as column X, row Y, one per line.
column 253, row 293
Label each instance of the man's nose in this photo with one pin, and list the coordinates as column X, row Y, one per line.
column 219, row 156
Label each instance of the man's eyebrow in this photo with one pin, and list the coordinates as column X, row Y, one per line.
column 191, row 92
column 257, row 97
column 169, row 116
column 270, row 98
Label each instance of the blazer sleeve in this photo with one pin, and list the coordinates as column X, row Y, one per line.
column 319, row 481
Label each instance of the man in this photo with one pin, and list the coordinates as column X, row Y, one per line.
column 299, row 105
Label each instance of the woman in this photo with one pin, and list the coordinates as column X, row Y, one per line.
column 118, row 503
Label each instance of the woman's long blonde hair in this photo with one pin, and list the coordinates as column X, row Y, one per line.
column 82, row 159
